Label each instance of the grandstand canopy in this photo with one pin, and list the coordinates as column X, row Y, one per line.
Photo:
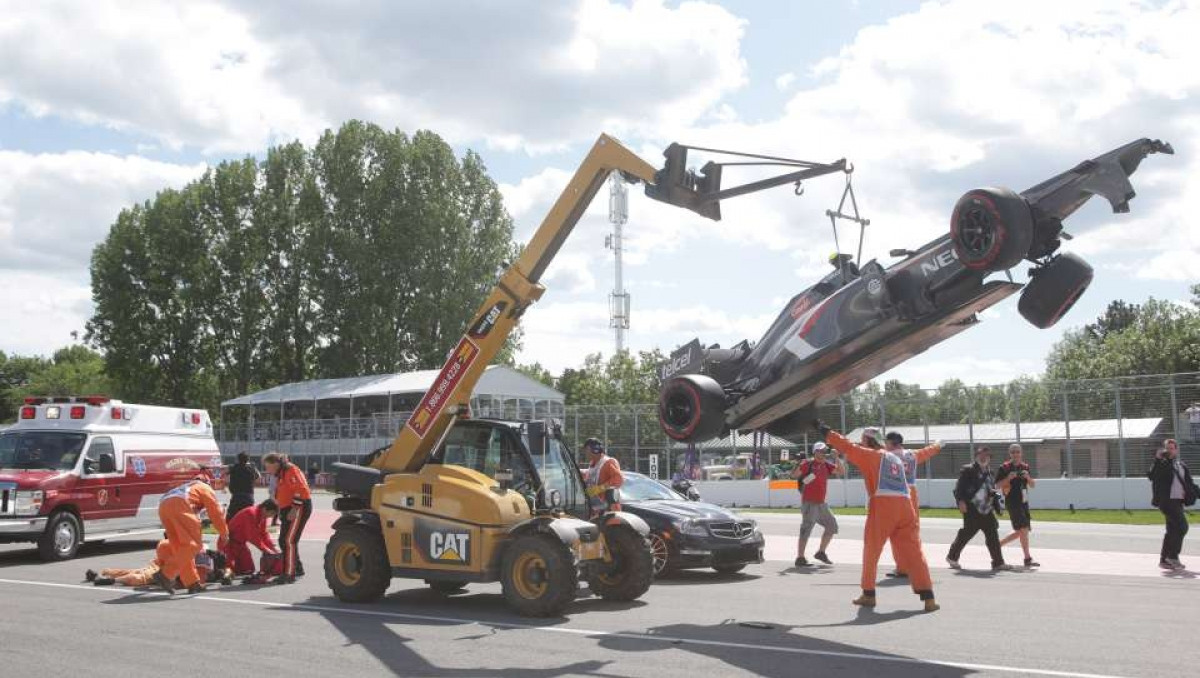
column 497, row 381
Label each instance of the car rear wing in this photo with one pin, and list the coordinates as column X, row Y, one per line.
column 1106, row 175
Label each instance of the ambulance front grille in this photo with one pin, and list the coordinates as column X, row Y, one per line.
column 406, row 547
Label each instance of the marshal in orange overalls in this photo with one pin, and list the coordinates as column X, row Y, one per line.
column 890, row 515
column 912, row 460
column 179, row 510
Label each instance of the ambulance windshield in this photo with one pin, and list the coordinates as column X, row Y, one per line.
column 40, row 450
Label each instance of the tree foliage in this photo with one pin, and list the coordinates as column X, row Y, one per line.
column 73, row 370
column 366, row 253
column 1157, row 337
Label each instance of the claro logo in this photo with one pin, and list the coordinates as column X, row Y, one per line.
column 938, row 261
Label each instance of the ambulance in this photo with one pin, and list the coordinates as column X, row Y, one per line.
column 86, row 469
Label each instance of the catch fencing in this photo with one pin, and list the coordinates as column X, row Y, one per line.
column 1105, row 428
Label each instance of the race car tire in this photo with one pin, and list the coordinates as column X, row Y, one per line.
column 691, row 408
column 1054, row 290
column 992, row 229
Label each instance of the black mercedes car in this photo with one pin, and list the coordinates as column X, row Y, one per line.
column 688, row 534
column 860, row 321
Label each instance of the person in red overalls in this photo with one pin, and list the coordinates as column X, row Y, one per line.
column 295, row 506
column 249, row 528
column 603, row 478
column 179, row 510
column 890, row 515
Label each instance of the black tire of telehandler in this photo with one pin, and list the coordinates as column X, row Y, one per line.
column 557, row 567
column 356, row 564
column 446, row 586
column 634, row 566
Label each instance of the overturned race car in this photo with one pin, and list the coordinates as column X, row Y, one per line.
column 860, row 321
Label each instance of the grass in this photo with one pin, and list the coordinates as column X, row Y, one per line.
column 1105, row 516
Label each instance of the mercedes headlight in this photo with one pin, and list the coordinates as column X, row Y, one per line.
column 27, row 502
column 692, row 527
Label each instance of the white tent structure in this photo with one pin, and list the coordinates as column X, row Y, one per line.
column 339, row 417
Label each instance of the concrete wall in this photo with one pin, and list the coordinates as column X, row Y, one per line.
column 1057, row 493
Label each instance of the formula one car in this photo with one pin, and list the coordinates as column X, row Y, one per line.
column 860, row 321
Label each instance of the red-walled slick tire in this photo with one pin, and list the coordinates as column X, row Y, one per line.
column 992, row 229
column 1054, row 290
column 691, row 408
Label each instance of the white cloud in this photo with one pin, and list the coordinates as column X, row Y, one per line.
column 559, row 334
column 785, row 81
column 235, row 76
column 55, row 207
column 40, row 311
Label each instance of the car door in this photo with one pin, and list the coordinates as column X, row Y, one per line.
column 103, row 476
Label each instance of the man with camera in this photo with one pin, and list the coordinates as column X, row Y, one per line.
column 1173, row 488
column 1014, row 479
column 813, row 480
column 978, row 501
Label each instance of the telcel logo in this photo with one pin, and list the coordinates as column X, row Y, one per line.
column 450, row 546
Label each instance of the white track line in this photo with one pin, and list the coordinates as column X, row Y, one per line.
column 673, row 640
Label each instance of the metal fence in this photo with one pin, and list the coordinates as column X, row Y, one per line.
column 1094, row 428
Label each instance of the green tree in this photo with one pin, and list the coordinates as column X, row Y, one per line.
column 16, row 372
column 150, row 285
column 74, row 370
column 367, row 253
column 1164, row 337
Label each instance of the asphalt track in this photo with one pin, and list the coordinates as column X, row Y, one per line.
column 772, row 620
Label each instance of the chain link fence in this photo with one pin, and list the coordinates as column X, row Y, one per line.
column 1106, row 428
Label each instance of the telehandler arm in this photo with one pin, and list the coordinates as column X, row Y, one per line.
column 518, row 287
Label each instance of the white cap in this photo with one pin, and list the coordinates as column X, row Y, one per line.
column 819, row 446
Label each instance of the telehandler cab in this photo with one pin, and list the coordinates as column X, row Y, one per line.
column 455, row 500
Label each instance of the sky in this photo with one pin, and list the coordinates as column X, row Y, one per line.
column 103, row 103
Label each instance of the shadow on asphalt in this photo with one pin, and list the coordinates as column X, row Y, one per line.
column 30, row 556
column 702, row 577
column 810, row 570
column 375, row 635
column 722, row 642
column 867, row 616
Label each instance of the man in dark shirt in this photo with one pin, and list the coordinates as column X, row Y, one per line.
column 1013, row 479
column 1173, row 488
column 975, row 493
column 242, row 477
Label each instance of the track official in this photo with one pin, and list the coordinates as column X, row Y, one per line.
column 604, row 479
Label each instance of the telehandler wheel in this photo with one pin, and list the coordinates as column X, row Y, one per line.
column 356, row 564
column 539, row 577
column 633, row 566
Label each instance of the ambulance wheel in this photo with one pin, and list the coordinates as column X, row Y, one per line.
column 446, row 586
column 356, row 564
column 62, row 537
column 632, row 570
column 539, row 577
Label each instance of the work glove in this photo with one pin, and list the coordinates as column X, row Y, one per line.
column 596, row 491
column 821, row 428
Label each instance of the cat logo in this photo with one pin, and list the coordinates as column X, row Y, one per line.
column 450, row 546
